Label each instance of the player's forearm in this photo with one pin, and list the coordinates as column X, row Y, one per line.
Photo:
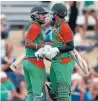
column 32, row 45
column 68, row 47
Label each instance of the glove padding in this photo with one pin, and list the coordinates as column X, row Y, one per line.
column 43, row 51
column 52, row 53
column 40, row 52
column 47, row 52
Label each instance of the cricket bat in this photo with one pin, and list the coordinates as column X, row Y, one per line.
column 15, row 65
column 80, row 61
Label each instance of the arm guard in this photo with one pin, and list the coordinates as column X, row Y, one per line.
column 68, row 47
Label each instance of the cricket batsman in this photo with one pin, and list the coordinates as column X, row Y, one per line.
column 62, row 62
column 34, row 70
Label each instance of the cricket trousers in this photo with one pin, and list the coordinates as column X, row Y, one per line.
column 60, row 76
column 35, row 78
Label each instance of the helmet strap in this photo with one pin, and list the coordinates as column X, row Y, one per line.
column 37, row 18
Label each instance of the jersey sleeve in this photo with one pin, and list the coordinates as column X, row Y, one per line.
column 66, row 32
column 33, row 33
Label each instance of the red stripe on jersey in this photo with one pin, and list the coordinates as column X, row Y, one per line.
column 38, row 63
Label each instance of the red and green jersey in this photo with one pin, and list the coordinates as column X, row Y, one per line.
column 35, row 34
column 64, row 29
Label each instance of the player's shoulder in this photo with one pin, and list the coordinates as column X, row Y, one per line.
column 64, row 24
column 36, row 26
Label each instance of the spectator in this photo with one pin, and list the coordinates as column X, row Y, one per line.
column 20, row 82
column 89, row 9
column 4, row 94
column 88, row 95
column 5, row 28
column 6, row 53
column 94, row 88
column 78, row 39
column 8, row 90
column 80, row 43
column 91, row 82
column 78, row 86
column 73, row 14
column 8, row 59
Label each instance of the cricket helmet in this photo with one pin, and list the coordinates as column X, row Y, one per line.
column 59, row 9
column 36, row 11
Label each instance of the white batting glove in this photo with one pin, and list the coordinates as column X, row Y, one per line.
column 52, row 53
column 47, row 48
column 40, row 53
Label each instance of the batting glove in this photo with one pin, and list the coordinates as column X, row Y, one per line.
column 52, row 53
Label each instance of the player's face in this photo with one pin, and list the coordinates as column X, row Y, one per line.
column 42, row 17
column 53, row 15
column 56, row 18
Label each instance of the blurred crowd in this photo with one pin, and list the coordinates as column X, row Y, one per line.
column 84, row 88
column 12, row 85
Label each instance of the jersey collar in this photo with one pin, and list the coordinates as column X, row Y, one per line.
column 37, row 23
column 60, row 22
